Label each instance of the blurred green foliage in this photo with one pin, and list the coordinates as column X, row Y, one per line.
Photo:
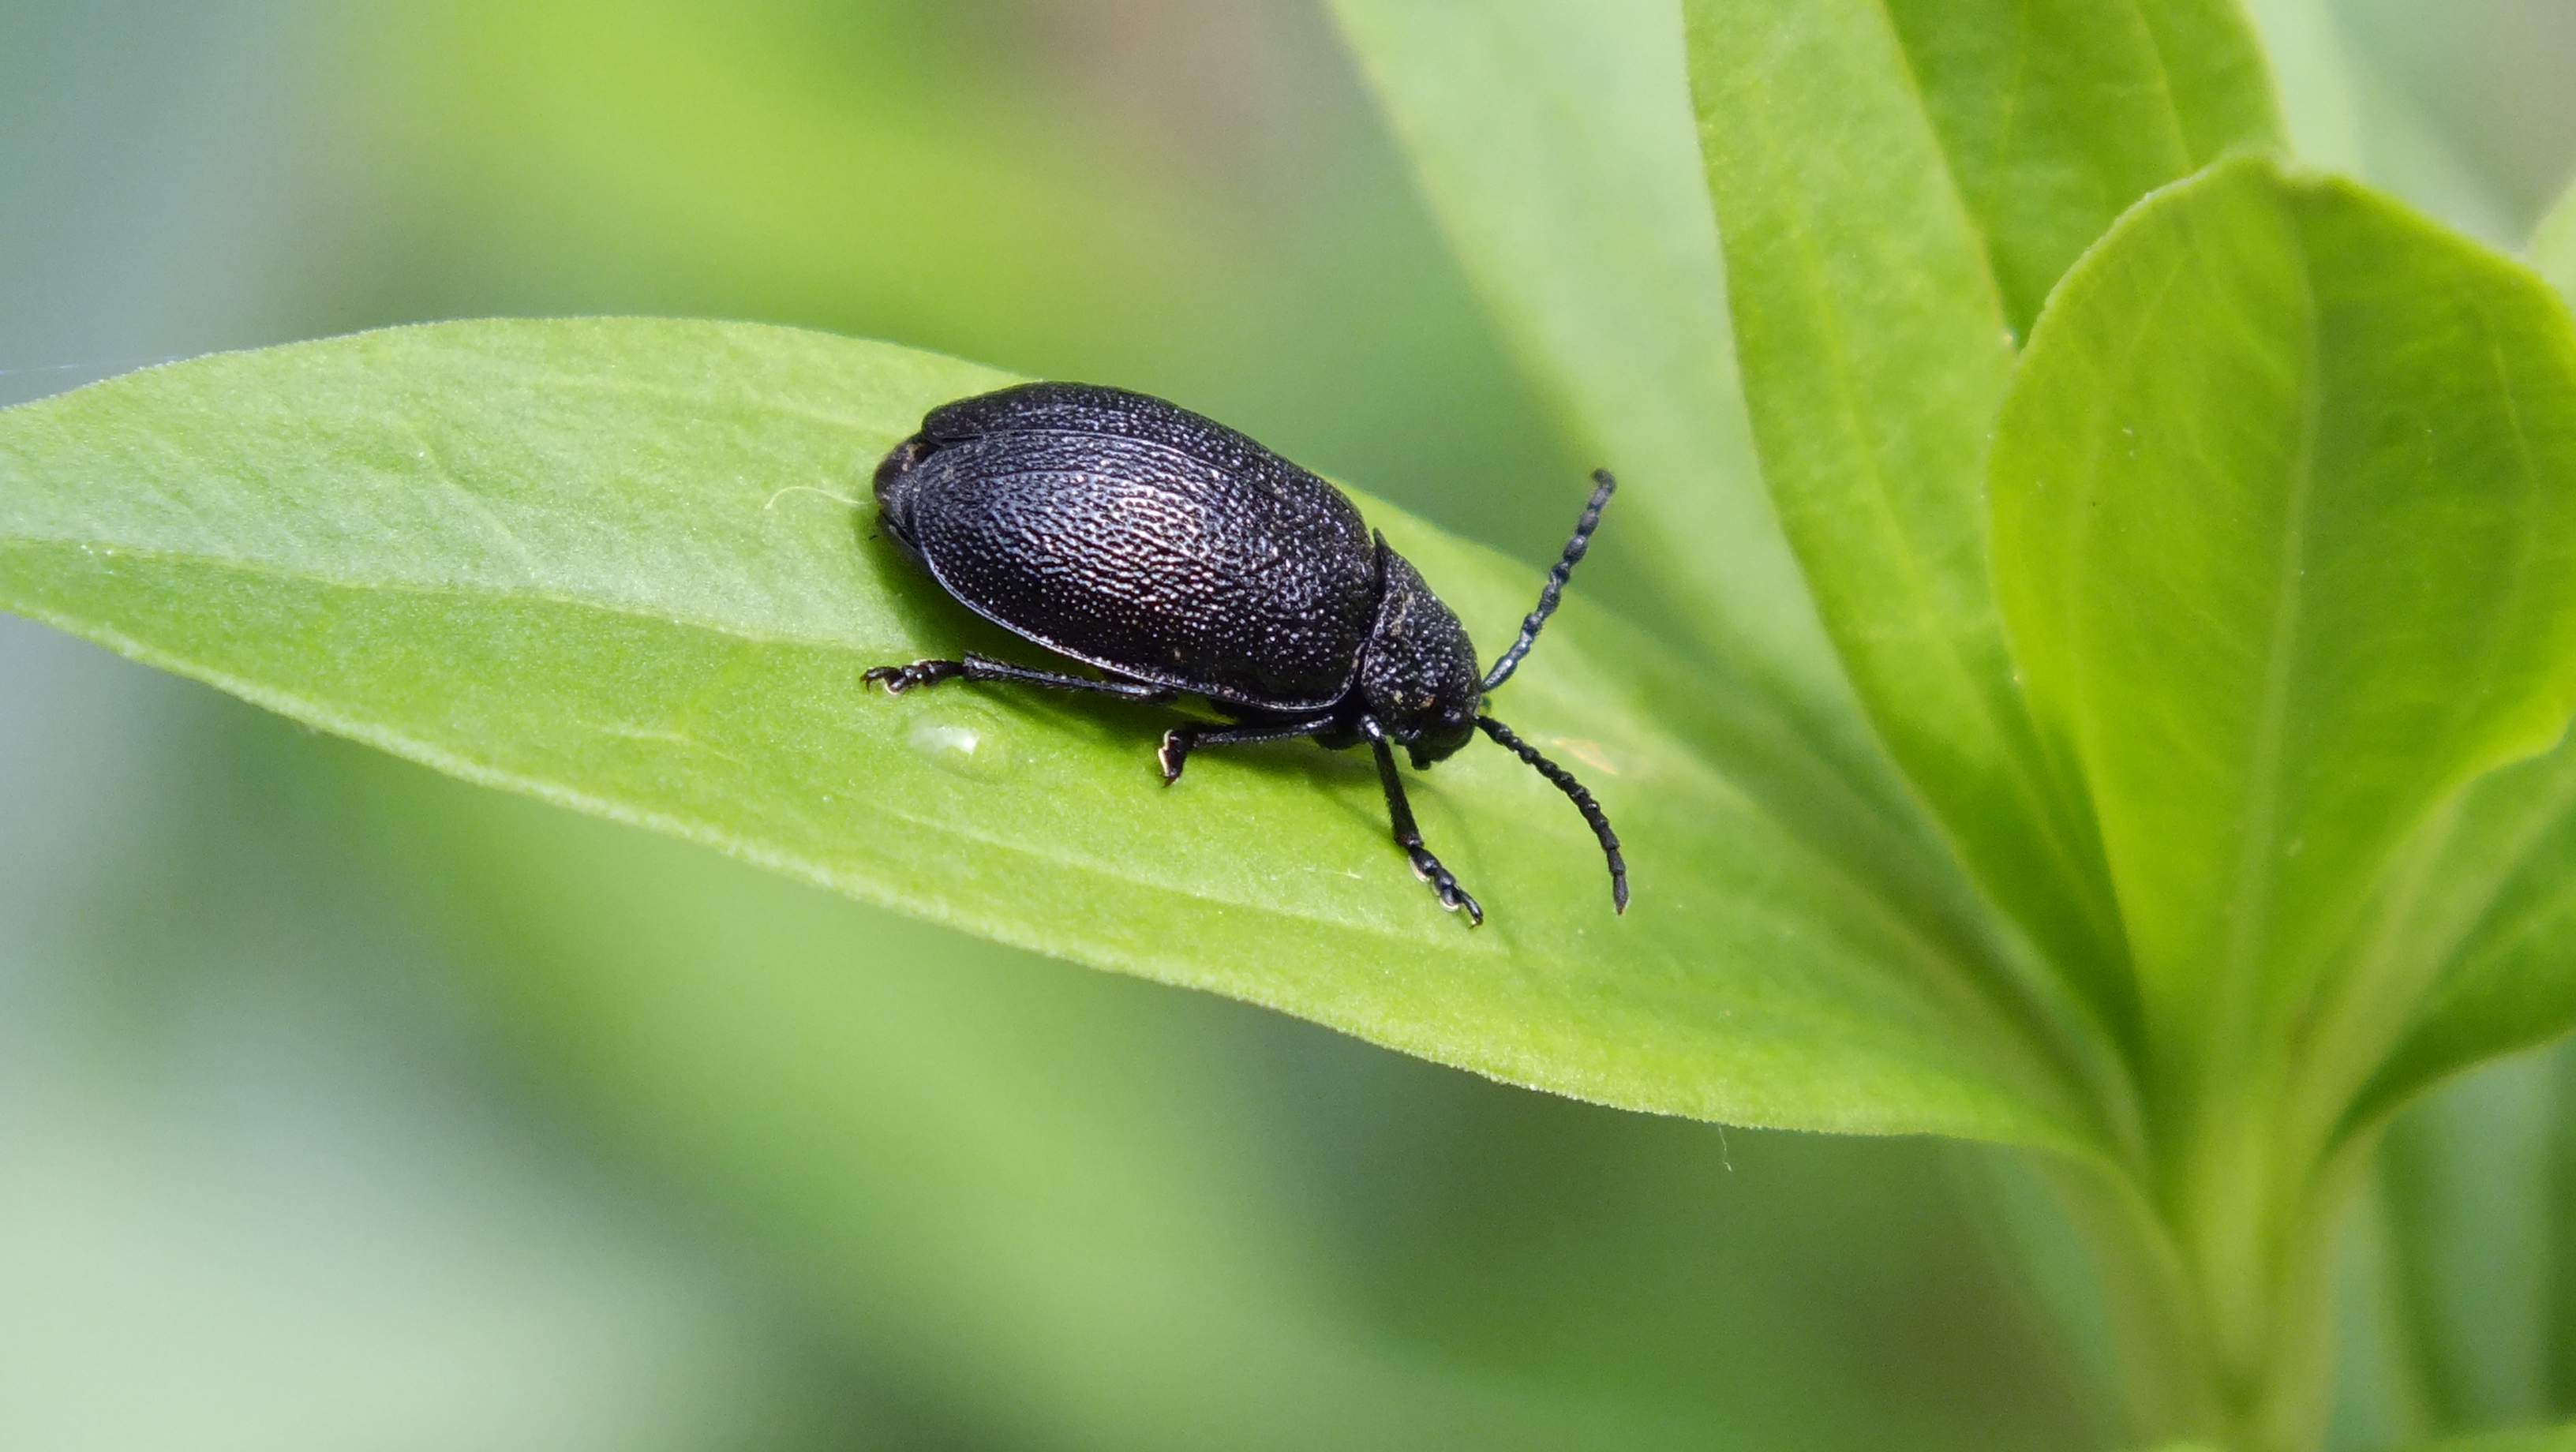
column 346, row 1105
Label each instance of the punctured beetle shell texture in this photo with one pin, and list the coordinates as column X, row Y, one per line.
column 1130, row 534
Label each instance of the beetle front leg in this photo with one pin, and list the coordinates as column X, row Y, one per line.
column 1408, row 836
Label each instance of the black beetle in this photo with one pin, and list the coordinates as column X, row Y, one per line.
column 1176, row 555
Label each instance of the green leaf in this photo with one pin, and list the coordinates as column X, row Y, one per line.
column 2479, row 940
column 621, row 565
column 1555, row 141
column 1898, row 186
column 2285, row 509
column 2053, row 118
column 2553, row 246
column 2485, row 922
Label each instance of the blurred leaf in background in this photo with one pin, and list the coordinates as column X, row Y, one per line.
column 2460, row 108
column 267, row 1185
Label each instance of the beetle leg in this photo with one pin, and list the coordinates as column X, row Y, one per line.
column 899, row 679
column 1180, row 741
column 985, row 668
column 1408, row 836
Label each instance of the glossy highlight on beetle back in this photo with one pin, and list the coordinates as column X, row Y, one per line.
column 1135, row 536
column 1178, row 556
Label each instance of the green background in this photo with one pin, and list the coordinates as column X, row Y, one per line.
column 342, row 1105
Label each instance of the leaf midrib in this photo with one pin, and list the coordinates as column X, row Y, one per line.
column 2256, row 871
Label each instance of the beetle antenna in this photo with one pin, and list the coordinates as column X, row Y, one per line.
column 1564, row 780
column 1603, row 484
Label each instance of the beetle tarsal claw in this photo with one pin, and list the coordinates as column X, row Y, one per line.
column 1444, row 885
column 1173, row 753
column 902, row 678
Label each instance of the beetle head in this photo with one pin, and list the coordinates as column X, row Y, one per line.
column 1418, row 673
column 895, row 484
